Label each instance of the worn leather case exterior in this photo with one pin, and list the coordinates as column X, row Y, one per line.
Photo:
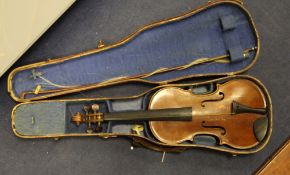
column 279, row 163
column 158, row 53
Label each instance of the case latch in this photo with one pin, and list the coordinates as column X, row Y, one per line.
column 100, row 44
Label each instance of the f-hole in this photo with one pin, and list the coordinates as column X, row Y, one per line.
column 223, row 130
column 221, row 97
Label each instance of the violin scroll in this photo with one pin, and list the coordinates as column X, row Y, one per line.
column 89, row 118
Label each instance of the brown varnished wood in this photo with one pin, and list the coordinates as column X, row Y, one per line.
column 212, row 114
column 279, row 163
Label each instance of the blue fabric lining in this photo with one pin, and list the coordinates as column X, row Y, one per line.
column 228, row 22
column 169, row 45
column 232, row 41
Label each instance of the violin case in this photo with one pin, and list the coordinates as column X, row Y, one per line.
column 197, row 50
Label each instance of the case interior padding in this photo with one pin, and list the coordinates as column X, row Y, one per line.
column 39, row 120
column 59, row 123
column 218, row 30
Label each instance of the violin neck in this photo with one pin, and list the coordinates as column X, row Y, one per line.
column 177, row 114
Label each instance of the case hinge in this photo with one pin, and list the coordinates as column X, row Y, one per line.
column 100, row 44
column 106, row 136
column 237, row 1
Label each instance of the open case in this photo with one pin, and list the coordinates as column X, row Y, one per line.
column 208, row 45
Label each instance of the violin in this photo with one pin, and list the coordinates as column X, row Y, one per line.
column 177, row 115
column 228, row 113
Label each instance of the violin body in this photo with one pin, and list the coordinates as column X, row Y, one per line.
column 212, row 114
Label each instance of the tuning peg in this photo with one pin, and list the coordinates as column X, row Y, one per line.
column 86, row 109
column 95, row 108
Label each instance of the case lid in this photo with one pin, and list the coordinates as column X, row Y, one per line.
column 218, row 38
